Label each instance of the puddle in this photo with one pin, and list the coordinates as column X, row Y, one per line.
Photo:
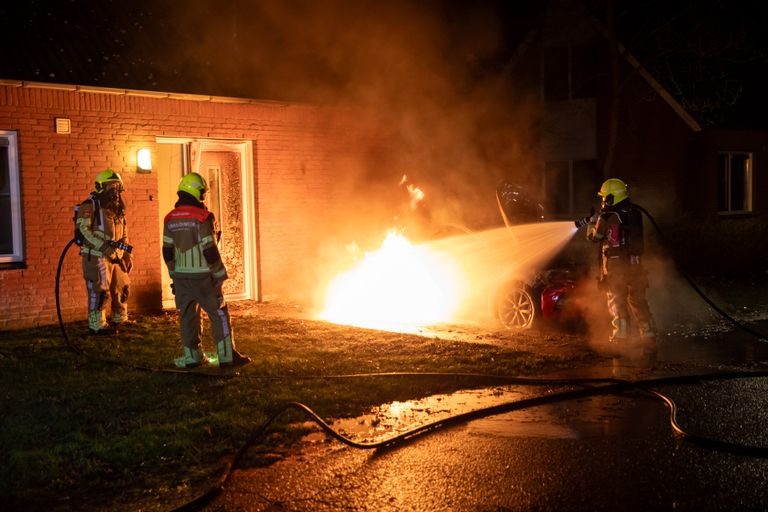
column 590, row 417
column 595, row 416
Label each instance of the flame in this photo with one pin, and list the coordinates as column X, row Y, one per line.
column 399, row 287
column 415, row 194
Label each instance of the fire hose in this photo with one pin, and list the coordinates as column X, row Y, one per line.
column 610, row 387
column 720, row 311
column 602, row 387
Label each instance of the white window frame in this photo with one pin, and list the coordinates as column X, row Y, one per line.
column 748, row 189
column 11, row 139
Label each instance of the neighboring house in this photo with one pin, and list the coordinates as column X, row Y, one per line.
column 687, row 175
column 272, row 168
column 659, row 146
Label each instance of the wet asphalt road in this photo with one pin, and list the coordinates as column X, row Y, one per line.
column 599, row 453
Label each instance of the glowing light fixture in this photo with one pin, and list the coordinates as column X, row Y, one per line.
column 144, row 160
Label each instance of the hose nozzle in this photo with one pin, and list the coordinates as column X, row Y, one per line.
column 580, row 223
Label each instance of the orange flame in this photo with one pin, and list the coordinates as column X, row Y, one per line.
column 415, row 194
column 398, row 287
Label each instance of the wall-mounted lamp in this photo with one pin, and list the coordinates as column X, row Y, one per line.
column 144, row 160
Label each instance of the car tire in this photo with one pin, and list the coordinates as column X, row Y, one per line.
column 515, row 308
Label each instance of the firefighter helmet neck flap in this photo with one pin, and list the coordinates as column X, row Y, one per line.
column 613, row 192
column 194, row 185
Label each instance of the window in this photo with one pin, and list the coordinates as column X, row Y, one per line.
column 556, row 73
column 572, row 186
column 10, row 200
column 570, row 72
column 734, row 182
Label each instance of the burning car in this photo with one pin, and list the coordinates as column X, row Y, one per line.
column 553, row 295
column 452, row 273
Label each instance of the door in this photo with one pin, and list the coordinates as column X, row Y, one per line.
column 226, row 166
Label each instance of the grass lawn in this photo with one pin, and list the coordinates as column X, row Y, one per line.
column 81, row 433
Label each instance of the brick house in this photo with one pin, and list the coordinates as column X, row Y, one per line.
column 707, row 186
column 277, row 166
column 271, row 167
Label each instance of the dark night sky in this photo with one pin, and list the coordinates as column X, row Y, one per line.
column 297, row 49
column 341, row 49
column 436, row 70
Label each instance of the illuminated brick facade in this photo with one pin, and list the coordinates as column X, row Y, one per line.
column 297, row 151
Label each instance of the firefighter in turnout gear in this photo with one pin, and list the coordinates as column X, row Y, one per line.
column 102, row 234
column 195, row 266
column 618, row 227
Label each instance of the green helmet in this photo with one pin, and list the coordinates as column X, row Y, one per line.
column 107, row 176
column 613, row 191
column 194, row 185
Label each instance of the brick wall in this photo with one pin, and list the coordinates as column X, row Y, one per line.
column 297, row 154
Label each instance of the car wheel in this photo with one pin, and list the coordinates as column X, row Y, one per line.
column 515, row 308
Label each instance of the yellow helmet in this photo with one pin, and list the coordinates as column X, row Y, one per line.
column 194, row 185
column 107, row 176
column 613, row 191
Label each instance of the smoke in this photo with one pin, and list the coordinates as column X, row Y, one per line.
column 675, row 306
column 436, row 73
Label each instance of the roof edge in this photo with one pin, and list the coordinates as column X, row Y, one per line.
column 139, row 93
column 648, row 77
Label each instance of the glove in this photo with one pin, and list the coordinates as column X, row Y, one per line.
column 127, row 262
column 109, row 250
column 580, row 223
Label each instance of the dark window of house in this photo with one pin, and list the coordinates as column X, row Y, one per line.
column 570, row 72
column 734, row 182
column 587, row 178
column 557, row 184
column 556, row 73
column 10, row 200
column 572, row 186
column 584, row 65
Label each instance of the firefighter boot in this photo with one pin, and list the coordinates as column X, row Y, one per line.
column 228, row 355
column 97, row 325
column 648, row 330
column 620, row 330
column 192, row 358
column 648, row 338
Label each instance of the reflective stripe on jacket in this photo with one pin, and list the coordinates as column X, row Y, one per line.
column 189, row 246
column 97, row 225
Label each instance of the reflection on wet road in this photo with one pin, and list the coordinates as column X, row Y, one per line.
column 597, row 453
column 589, row 417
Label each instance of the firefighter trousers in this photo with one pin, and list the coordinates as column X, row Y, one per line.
column 108, row 286
column 191, row 296
column 627, row 285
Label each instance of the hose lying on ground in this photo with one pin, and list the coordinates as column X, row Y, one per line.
column 720, row 311
column 616, row 387
column 610, row 386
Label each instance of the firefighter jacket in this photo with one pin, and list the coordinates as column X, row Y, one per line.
column 619, row 230
column 189, row 244
column 97, row 227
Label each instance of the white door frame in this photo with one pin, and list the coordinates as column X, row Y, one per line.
column 245, row 149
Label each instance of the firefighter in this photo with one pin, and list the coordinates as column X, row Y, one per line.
column 618, row 227
column 102, row 232
column 195, row 266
